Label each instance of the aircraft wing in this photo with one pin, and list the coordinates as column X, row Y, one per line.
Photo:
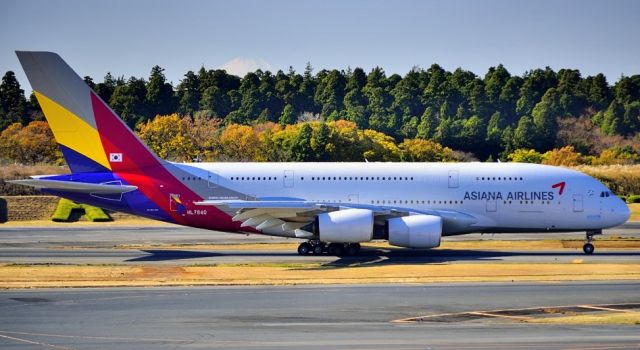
column 293, row 217
column 80, row 187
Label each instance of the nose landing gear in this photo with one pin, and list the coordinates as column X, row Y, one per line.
column 588, row 247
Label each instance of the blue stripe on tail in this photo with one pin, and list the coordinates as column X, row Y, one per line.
column 79, row 163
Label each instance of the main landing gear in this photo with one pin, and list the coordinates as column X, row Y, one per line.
column 319, row 248
column 588, row 247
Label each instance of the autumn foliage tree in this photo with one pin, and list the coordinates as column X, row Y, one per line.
column 180, row 138
column 31, row 144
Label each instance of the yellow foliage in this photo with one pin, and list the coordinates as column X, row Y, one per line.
column 31, row 144
column 612, row 156
column 565, row 156
column 379, row 146
column 419, row 150
column 182, row 139
column 240, row 143
column 525, row 156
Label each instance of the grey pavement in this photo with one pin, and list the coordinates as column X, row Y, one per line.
column 95, row 245
column 310, row 317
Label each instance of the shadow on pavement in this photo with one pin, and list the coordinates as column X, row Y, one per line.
column 372, row 256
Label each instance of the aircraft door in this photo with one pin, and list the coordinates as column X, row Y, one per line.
column 288, row 178
column 212, row 180
column 578, row 203
column 492, row 205
column 453, row 178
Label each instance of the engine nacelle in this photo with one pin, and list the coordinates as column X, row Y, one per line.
column 415, row 231
column 345, row 226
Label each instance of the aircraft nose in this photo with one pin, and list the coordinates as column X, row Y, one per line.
column 620, row 213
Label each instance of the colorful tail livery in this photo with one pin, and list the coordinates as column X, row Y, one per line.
column 110, row 166
column 336, row 206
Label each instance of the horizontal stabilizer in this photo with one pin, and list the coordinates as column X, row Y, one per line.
column 70, row 186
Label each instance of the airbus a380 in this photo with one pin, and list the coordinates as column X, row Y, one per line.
column 332, row 206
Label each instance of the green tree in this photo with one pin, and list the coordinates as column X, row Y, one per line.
column 215, row 100
column 535, row 84
column 301, row 150
column 128, row 101
column 330, row 93
column 251, row 104
column 288, row 115
column 545, row 114
column 631, row 119
column 428, row 124
column 106, row 87
column 612, row 122
column 494, row 82
column 627, row 89
column 472, row 136
column 13, row 105
column 572, row 98
column 493, row 139
column 508, row 99
column 446, row 133
column 406, row 95
column 320, row 143
column 379, row 102
column 160, row 98
column 188, row 94
column 598, row 91
column 307, row 92
column 524, row 136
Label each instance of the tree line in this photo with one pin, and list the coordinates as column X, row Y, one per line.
column 183, row 138
column 489, row 117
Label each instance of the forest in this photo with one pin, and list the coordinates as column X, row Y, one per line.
column 352, row 115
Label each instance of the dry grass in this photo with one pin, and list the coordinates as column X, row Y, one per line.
column 16, row 172
column 621, row 179
column 7, row 171
column 635, row 211
column 28, row 276
column 120, row 222
column 612, row 318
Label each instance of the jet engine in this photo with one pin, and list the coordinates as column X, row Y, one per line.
column 345, row 226
column 415, row 231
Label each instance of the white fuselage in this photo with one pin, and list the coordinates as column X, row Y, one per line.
column 502, row 197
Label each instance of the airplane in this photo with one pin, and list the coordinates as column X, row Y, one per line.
column 333, row 207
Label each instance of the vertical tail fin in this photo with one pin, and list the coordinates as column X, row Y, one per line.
column 90, row 135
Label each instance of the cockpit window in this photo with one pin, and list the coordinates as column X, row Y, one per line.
column 604, row 194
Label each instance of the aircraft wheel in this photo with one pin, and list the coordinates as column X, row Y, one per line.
column 336, row 249
column 588, row 248
column 318, row 249
column 304, row 248
column 353, row 249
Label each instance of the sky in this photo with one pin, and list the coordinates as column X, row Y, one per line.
column 127, row 37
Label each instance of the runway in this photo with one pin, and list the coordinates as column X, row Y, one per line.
column 294, row 317
column 98, row 245
column 344, row 317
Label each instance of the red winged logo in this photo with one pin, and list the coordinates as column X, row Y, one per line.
column 559, row 185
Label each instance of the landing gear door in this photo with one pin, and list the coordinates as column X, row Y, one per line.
column 578, row 203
